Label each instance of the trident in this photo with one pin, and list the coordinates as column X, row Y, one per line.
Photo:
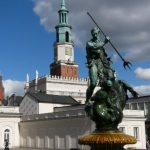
column 125, row 63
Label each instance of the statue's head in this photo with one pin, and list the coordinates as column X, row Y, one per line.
column 95, row 32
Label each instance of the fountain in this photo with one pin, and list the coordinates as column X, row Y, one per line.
column 105, row 107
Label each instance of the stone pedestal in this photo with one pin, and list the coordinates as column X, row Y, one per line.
column 107, row 141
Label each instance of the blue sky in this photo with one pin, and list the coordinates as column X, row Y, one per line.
column 25, row 45
column 27, row 34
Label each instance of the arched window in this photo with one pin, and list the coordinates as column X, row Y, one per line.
column 67, row 36
column 7, row 135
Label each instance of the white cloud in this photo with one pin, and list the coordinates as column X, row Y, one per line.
column 115, row 57
column 143, row 89
column 142, row 73
column 44, row 10
column 12, row 86
column 139, row 52
column 127, row 27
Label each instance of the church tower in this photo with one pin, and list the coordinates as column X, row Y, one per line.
column 64, row 64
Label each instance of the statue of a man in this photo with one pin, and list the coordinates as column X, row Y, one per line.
column 96, row 60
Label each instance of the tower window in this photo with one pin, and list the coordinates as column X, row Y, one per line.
column 57, row 36
column 59, row 17
column 67, row 36
column 62, row 18
column 65, row 17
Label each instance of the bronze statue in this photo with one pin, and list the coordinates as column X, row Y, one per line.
column 106, row 105
column 96, row 59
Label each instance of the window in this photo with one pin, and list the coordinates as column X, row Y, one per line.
column 141, row 106
column 57, row 36
column 136, row 132
column 134, row 106
column 127, row 106
column 7, row 135
column 148, row 133
column 67, row 36
column 122, row 129
column 147, row 106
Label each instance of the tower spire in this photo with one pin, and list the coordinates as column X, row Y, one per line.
column 63, row 14
column 63, row 5
column 64, row 64
column 27, row 83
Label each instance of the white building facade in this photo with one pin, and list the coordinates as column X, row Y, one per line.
column 61, row 130
column 141, row 103
column 60, row 86
column 9, row 126
column 43, row 126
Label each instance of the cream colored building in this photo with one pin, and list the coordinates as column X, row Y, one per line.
column 59, row 86
column 9, row 126
column 141, row 103
column 61, row 129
